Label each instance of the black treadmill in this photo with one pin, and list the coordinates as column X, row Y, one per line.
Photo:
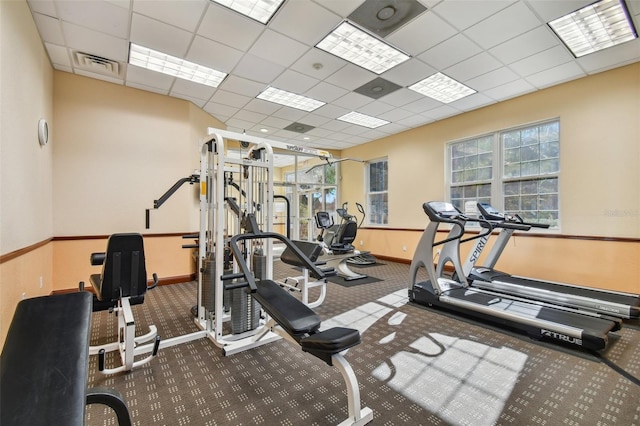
column 536, row 319
column 602, row 302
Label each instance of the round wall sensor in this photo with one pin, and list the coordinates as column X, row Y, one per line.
column 43, row 132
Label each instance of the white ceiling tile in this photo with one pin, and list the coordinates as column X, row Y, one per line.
column 183, row 88
column 510, row 90
column 415, row 121
column 147, row 88
column 319, row 133
column 375, row 108
column 289, row 17
column 99, row 16
column 421, row 105
column 231, row 99
column 401, row 97
column 615, row 56
column 336, row 125
column 214, row 55
column 465, row 13
column 242, row 86
column 63, row 68
column 325, row 92
column 550, row 10
column 200, row 103
column 422, row 33
column 331, row 111
column 477, row 100
column 492, row 79
column 556, row 75
column 238, row 125
column 261, row 106
column 94, row 42
column 473, row 67
column 549, row 58
column 295, row 82
column 278, row 48
column 230, row 28
column 149, row 78
column 314, row 120
column 393, row 128
column 257, row 69
column 527, row 44
column 394, row 115
column 159, row 36
column 408, row 72
column 340, row 7
column 288, row 113
column 350, row 77
column 49, row 29
column 450, row 52
column 354, row 130
column 45, row 7
column 249, row 116
column 59, row 55
column 504, row 25
column 184, row 14
column 217, row 109
column 441, row 112
column 318, row 64
column 352, row 101
column 276, row 122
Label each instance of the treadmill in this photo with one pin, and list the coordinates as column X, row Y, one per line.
column 602, row 302
column 536, row 319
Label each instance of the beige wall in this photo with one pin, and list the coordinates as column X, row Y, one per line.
column 26, row 87
column 600, row 171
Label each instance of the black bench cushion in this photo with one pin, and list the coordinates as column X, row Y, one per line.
column 311, row 250
column 44, row 362
column 331, row 341
column 290, row 313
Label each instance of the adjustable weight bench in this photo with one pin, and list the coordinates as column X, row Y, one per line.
column 44, row 365
column 296, row 322
column 122, row 283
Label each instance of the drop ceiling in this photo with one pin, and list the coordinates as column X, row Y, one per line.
column 500, row 48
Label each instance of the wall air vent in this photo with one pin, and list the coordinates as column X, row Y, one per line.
column 97, row 64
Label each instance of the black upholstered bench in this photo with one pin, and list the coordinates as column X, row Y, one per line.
column 296, row 322
column 44, row 364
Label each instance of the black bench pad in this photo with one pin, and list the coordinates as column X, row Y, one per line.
column 44, row 362
column 291, row 314
column 331, row 341
column 311, row 250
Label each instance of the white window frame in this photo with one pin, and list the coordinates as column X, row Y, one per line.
column 374, row 217
column 498, row 177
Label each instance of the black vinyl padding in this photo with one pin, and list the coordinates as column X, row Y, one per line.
column 311, row 250
column 331, row 341
column 292, row 315
column 123, row 274
column 44, row 362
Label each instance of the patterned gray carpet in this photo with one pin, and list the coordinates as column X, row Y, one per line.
column 414, row 366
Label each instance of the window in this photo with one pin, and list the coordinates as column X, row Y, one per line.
column 377, row 199
column 526, row 179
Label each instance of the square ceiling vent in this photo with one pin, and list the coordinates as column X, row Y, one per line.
column 97, row 64
column 377, row 88
column 299, row 127
column 382, row 17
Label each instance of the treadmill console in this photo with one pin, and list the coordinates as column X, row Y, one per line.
column 489, row 212
column 440, row 211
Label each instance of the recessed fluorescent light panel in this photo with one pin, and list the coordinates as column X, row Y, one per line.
column 260, row 10
column 359, row 47
column 289, row 99
column 363, row 120
column 442, row 88
column 167, row 64
column 595, row 27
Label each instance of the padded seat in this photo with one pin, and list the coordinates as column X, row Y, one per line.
column 123, row 274
column 292, row 315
